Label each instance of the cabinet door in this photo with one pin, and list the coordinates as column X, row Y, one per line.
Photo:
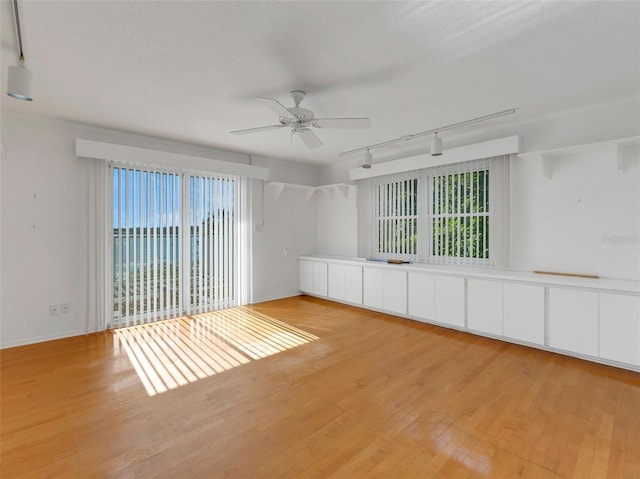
column 620, row 328
column 336, row 281
column 450, row 300
column 373, row 287
column 395, row 291
column 306, row 276
column 484, row 306
column 345, row 283
column 523, row 312
column 421, row 295
column 573, row 320
column 319, row 278
column 353, row 284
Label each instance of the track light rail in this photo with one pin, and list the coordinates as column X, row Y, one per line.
column 430, row 132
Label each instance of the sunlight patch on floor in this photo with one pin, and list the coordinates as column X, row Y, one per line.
column 451, row 445
column 172, row 353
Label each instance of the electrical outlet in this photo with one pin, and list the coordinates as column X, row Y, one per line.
column 65, row 308
column 54, row 310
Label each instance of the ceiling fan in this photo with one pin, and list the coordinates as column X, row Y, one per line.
column 300, row 120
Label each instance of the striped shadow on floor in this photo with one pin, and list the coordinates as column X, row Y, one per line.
column 172, row 353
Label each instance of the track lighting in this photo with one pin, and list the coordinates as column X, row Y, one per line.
column 20, row 80
column 436, row 145
column 368, row 157
column 436, row 142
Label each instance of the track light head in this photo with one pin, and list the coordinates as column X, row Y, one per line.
column 20, row 82
column 436, row 146
column 368, row 158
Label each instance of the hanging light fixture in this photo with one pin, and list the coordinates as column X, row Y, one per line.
column 368, row 158
column 436, row 145
column 20, row 80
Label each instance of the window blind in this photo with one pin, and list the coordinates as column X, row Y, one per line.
column 213, row 243
column 146, row 238
column 175, row 243
column 459, row 213
column 390, row 209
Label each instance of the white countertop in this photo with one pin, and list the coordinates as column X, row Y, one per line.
column 608, row 284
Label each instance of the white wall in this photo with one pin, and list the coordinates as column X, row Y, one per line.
column 288, row 231
column 337, row 222
column 284, row 227
column 45, row 221
column 585, row 219
column 44, row 232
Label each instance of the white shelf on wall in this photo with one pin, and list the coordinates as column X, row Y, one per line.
column 329, row 190
column 545, row 157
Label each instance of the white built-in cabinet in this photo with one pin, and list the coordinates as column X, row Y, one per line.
column 373, row 288
column 385, row 289
column 450, row 300
column 422, row 296
column 523, row 312
column 345, row 283
column 313, row 277
column 484, row 306
column 620, row 327
column 573, row 317
column 573, row 320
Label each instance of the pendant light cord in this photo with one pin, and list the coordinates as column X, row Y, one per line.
column 17, row 17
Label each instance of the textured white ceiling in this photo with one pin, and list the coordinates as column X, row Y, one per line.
column 190, row 71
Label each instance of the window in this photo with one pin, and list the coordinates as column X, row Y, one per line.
column 174, row 244
column 459, row 214
column 454, row 214
column 396, row 217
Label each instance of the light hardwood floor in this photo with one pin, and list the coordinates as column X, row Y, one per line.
column 373, row 396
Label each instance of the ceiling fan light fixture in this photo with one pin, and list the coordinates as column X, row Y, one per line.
column 20, row 83
column 368, row 158
column 436, row 145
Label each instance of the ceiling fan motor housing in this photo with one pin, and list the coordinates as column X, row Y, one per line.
column 303, row 115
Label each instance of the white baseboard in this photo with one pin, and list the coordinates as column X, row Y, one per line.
column 273, row 298
column 41, row 339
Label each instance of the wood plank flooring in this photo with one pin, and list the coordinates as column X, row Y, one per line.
column 373, row 396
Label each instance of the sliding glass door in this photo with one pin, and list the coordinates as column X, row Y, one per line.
column 175, row 243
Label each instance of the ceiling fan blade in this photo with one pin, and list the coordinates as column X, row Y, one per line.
column 342, row 123
column 309, row 138
column 255, row 130
column 276, row 106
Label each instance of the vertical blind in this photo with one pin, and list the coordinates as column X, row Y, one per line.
column 174, row 243
column 212, row 243
column 388, row 213
column 396, row 217
column 459, row 213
